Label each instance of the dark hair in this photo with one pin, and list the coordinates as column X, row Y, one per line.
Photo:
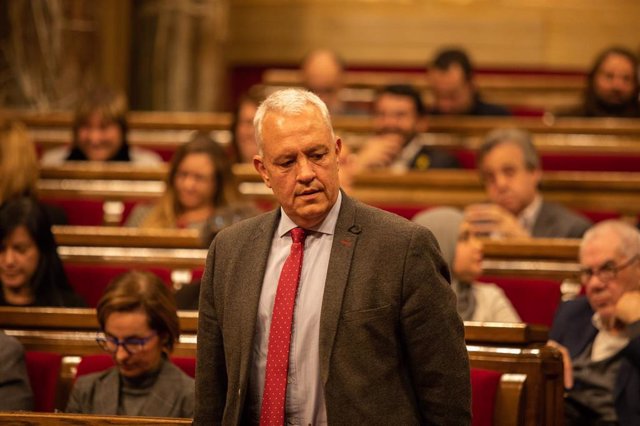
column 49, row 283
column 112, row 107
column 142, row 290
column 405, row 90
column 592, row 105
column 254, row 96
column 449, row 57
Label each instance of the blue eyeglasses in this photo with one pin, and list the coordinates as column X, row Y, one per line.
column 132, row 345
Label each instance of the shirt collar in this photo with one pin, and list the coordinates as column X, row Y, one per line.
column 528, row 216
column 327, row 226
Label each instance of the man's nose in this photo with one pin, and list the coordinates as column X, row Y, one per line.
column 501, row 181
column 306, row 172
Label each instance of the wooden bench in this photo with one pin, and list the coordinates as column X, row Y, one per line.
column 539, row 92
column 554, row 137
column 61, row 419
column 109, row 236
column 84, row 320
column 72, row 332
column 587, row 192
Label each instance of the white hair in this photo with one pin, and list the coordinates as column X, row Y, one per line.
column 628, row 236
column 289, row 102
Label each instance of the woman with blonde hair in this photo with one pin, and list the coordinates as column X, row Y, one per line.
column 19, row 169
column 201, row 192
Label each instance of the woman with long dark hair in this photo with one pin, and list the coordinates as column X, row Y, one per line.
column 31, row 272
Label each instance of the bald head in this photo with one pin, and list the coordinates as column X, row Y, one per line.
column 322, row 73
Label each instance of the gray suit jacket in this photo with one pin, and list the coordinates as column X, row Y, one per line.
column 556, row 221
column 172, row 394
column 15, row 389
column 391, row 343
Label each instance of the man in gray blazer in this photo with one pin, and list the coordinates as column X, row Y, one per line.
column 375, row 336
column 15, row 389
column 510, row 169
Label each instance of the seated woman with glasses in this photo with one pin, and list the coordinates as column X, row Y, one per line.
column 137, row 315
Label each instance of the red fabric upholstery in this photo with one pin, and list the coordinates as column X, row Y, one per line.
column 407, row 212
column 90, row 280
column 570, row 161
column 186, row 364
column 535, row 299
column 484, row 387
column 94, row 363
column 44, row 370
column 83, row 212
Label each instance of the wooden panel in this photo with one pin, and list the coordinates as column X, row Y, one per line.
column 534, row 33
column 103, row 236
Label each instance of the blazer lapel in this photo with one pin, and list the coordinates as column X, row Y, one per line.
column 107, row 393
column 256, row 249
column 344, row 243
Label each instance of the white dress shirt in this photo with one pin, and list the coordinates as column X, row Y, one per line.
column 305, row 403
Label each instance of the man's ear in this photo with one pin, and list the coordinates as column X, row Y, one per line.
column 258, row 163
column 338, row 148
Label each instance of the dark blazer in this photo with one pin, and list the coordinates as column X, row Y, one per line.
column 572, row 328
column 391, row 343
column 556, row 221
column 15, row 389
column 429, row 158
column 98, row 393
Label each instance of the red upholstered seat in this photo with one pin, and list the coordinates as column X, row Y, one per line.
column 484, row 388
column 569, row 161
column 90, row 280
column 83, row 212
column 186, row 364
column 408, row 212
column 94, row 363
column 44, row 370
column 535, row 299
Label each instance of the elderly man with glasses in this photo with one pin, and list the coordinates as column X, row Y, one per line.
column 599, row 334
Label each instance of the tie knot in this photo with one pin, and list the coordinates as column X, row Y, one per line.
column 298, row 235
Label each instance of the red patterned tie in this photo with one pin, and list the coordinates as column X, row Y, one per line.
column 275, row 381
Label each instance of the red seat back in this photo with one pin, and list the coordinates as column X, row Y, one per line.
column 535, row 299
column 44, row 370
column 85, row 212
column 484, row 388
column 94, row 363
column 90, row 280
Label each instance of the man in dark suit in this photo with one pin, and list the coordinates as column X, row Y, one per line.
column 599, row 335
column 375, row 338
column 454, row 92
column 510, row 169
column 399, row 143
